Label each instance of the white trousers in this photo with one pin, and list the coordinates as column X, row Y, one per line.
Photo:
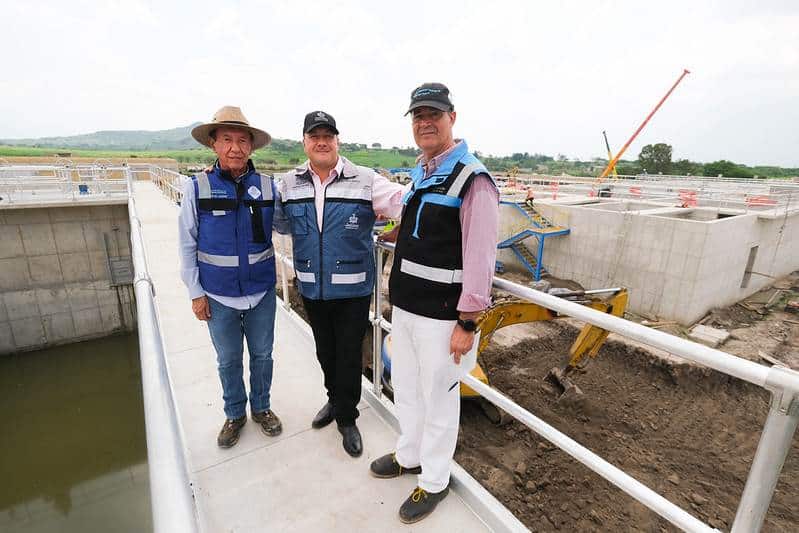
column 426, row 384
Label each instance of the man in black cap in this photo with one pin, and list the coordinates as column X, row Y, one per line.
column 440, row 283
column 332, row 204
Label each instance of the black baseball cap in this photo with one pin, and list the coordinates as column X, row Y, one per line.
column 319, row 118
column 435, row 95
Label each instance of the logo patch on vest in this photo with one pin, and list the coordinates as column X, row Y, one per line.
column 218, row 193
column 352, row 223
column 254, row 192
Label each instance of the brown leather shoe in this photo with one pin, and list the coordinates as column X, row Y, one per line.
column 229, row 435
column 269, row 422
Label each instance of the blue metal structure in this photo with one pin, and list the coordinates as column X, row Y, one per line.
column 539, row 229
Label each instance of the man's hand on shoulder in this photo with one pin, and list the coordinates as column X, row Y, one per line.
column 201, row 308
column 389, row 236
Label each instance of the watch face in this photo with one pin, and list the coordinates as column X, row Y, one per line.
column 468, row 325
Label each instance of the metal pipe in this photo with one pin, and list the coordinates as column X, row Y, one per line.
column 757, row 374
column 628, row 484
column 377, row 331
column 602, row 291
column 283, row 272
column 171, row 495
column 775, row 442
column 718, row 360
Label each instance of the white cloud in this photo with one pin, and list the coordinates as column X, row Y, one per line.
column 525, row 76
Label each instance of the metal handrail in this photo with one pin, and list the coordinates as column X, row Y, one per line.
column 21, row 183
column 772, row 449
column 171, row 497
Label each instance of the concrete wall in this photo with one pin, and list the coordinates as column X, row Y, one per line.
column 675, row 268
column 55, row 285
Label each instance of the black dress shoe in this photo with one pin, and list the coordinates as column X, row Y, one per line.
column 352, row 440
column 420, row 504
column 387, row 467
column 325, row 416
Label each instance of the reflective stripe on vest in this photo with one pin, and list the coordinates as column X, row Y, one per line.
column 203, row 186
column 344, row 192
column 348, row 279
column 233, row 260
column 306, row 277
column 457, row 185
column 266, row 188
column 441, row 275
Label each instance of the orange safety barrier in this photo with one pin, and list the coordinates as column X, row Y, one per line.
column 688, row 197
column 753, row 201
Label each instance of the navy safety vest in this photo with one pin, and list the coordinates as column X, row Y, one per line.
column 234, row 235
column 427, row 274
column 339, row 262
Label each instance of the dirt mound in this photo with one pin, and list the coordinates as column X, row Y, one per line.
column 688, row 433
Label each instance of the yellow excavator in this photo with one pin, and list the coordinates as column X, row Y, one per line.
column 515, row 311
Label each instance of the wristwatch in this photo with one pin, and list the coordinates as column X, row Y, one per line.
column 467, row 325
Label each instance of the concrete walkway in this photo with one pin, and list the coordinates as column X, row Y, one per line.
column 302, row 480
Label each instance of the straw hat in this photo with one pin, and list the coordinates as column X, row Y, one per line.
column 232, row 117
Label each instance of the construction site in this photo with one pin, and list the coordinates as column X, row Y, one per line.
column 714, row 261
column 636, row 371
column 710, row 260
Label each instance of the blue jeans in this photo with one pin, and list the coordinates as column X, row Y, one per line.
column 228, row 327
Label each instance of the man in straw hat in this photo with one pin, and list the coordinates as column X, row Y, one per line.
column 332, row 204
column 228, row 265
column 440, row 283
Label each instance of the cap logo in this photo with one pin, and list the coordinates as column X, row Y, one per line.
column 425, row 92
column 321, row 116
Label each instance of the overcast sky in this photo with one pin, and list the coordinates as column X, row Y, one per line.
column 525, row 76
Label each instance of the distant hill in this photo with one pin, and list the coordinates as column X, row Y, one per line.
column 173, row 139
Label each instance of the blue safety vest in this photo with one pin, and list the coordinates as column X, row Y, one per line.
column 427, row 274
column 234, row 236
column 338, row 262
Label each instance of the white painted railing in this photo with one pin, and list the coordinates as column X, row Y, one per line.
column 171, row 496
column 772, row 450
column 48, row 183
column 775, row 441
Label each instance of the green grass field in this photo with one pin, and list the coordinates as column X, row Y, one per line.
column 265, row 158
column 283, row 154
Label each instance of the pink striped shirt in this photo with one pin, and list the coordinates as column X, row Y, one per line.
column 479, row 217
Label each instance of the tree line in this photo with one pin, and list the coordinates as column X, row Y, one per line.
column 653, row 159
